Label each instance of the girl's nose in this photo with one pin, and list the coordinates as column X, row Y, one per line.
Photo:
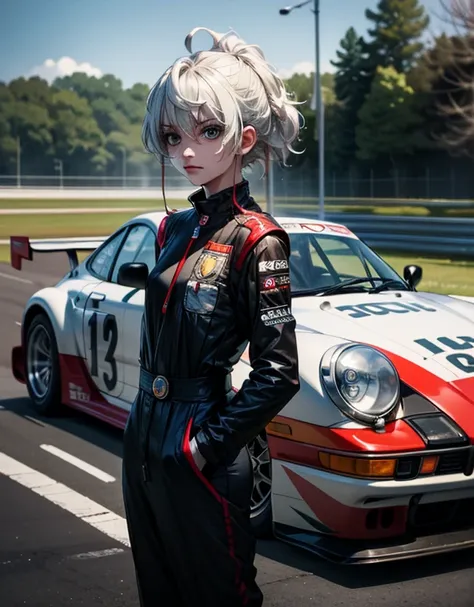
column 188, row 153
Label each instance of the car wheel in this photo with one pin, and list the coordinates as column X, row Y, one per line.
column 42, row 366
column 261, row 505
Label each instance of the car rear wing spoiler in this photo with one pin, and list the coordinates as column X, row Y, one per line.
column 21, row 247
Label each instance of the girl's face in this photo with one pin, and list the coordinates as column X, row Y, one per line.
column 201, row 157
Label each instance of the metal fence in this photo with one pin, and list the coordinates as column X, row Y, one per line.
column 288, row 184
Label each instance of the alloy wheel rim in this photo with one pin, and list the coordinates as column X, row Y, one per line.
column 39, row 362
column 262, row 485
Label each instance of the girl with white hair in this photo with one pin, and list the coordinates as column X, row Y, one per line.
column 221, row 282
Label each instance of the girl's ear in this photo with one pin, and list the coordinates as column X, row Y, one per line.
column 249, row 139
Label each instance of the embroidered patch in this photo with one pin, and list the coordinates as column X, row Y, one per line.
column 207, row 266
column 219, row 248
column 270, row 283
column 276, row 316
column 273, row 265
column 210, row 265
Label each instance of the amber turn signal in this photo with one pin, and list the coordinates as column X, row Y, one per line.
column 358, row 466
column 430, row 462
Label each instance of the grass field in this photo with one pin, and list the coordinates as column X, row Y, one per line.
column 283, row 206
column 70, row 203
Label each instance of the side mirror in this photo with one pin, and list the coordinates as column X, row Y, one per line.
column 412, row 274
column 133, row 275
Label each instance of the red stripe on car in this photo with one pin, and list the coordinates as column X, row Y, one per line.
column 455, row 399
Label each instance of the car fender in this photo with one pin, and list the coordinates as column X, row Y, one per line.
column 65, row 318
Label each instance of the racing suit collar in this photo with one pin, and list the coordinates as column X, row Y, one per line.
column 222, row 201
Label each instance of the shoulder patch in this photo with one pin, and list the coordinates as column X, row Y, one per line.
column 259, row 226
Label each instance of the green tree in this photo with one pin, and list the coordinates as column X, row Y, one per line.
column 8, row 143
column 389, row 125
column 396, row 33
column 351, row 84
column 119, row 114
column 25, row 118
column 77, row 136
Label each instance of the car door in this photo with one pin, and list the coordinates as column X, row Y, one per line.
column 134, row 301
column 101, row 320
column 106, row 335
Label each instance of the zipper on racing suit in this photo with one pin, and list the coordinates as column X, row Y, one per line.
column 145, row 471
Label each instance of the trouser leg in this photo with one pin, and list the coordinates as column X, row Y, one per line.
column 154, row 573
column 214, row 513
column 155, row 579
column 234, row 483
column 191, row 536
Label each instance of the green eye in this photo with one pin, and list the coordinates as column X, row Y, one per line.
column 172, row 138
column 212, row 132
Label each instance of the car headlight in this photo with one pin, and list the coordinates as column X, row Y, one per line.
column 362, row 382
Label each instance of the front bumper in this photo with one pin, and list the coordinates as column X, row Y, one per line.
column 353, row 520
column 415, row 543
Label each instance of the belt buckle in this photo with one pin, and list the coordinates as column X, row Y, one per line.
column 160, row 387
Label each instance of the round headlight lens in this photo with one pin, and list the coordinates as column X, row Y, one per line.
column 361, row 381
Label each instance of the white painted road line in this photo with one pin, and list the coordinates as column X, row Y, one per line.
column 98, row 554
column 79, row 505
column 79, row 463
column 17, row 278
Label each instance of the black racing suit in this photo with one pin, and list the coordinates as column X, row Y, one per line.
column 190, row 530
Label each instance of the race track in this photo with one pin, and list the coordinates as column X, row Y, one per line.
column 55, row 555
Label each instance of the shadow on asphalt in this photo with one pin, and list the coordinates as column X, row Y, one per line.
column 106, row 437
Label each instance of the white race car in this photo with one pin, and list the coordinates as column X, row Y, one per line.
column 373, row 458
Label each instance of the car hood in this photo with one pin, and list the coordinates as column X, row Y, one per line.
column 414, row 325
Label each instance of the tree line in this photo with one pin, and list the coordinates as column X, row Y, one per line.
column 395, row 103
column 399, row 103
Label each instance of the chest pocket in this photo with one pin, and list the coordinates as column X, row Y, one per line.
column 201, row 297
column 208, row 279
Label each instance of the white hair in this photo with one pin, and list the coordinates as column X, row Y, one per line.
column 231, row 83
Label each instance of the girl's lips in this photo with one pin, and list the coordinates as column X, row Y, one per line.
column 191, row 168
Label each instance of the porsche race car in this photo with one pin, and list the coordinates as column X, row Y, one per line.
column 372, row 460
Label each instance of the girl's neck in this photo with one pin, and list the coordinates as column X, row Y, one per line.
column 232, row 176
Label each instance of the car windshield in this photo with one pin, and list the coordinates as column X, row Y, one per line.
column 323, row 264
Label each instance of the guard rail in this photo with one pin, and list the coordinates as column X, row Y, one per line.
column 453, row 237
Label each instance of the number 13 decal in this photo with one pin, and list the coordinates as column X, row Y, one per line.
column 110, row 336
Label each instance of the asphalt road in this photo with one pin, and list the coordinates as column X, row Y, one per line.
column 52, row 557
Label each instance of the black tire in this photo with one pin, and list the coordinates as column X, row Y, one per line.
column 261, row 515
column 45, row 392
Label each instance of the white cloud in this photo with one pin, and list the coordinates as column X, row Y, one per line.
column 305, row 67
column 65, row 66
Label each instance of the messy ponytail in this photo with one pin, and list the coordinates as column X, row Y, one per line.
column 235, row 84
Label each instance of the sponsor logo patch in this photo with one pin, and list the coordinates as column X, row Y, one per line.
column 271, row 283
column 273, row 265
column 276, row 316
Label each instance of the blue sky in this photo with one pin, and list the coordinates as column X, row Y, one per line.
column 137, row 40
